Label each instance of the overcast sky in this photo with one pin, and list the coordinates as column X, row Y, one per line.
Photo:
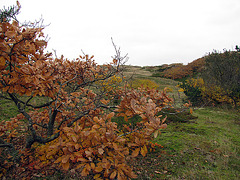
column 152, row 32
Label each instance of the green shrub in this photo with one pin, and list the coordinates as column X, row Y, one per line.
column 192, row 89
column 223, row 71
column 177, row 115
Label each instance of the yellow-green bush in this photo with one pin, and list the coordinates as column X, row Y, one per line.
column 109, row 84
column 198, row 92
column 192, row 88
column 145, row 83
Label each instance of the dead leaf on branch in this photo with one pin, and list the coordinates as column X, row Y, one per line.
column 135, row 152
column 155, row 134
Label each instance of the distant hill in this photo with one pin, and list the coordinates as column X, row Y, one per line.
column 180, row 71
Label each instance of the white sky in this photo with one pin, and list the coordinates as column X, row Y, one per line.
column 152, row 32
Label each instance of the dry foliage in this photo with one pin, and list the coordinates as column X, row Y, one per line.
column 71, row 127
column 181, row 71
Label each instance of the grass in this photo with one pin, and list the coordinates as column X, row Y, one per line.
column 137, row 72
column 7, row 109
column 206, row 149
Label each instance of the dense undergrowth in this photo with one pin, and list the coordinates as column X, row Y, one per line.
column 204, row 148
column 202, row 145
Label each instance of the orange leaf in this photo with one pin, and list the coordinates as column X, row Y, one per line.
column 37, row 167
column 135, row 152
column 92, row 166
column 80, row 165
column 74, row 138
column 10, row 33
column 113, row 175
column 132, row 175
column 84, row 172
column 58, row 160
column 144, row 150
column 115, row 146
column 121, row 175
column 82, row 159
column 191, row 111
column 88, row 167
column 164, row 119
column 109, row 116
column 2, row 61
column 105, row 101
column 155, row 134
column 95, row 126
column 96, row 176
column 163, row 126
column 65, row 159
column 65, row 166
column 99, row 169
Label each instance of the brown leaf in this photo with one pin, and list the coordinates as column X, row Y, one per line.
column 97, row 176
column 80, row 165
column 37, row 167
column 164, row 119
column 133, row 106
column 155, row 134
column 88, row 153
column 65, row 158
column 84, row 172
column 82, row 159
column 144, row 150
column 2, row 61
column 109, row 116
column 10, row 34
column 105, row 101
column 115, row 146
column 163, row 126
column 95, row 126
column 92, row 166
column 100, row 151
column 191, row 111
column 121, row 175
column 74, row 138
column 98, row 169
column 65, row 165
column 113, row 175
column 88, row 167
column 58, row 160
column 135, row 152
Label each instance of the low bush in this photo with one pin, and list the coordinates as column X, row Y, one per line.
column 145, row 83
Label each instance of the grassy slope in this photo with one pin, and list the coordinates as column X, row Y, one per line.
column 206, row 149
column 209, row 148
column 137, row 72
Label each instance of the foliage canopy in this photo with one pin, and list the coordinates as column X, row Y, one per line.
column 223, row 70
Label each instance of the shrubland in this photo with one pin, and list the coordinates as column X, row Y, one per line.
column 80, row 118
column 219, row 82
column 66, row 110
column 179, row 71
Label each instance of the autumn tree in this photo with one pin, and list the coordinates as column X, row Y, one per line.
column 222, row 70
column 67, row 108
